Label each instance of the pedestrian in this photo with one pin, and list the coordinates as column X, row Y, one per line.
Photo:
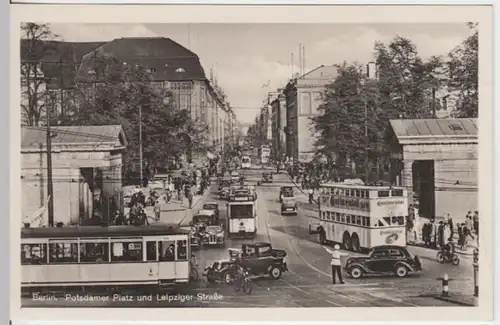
column 336, row 263
column 468, row 221
column 311, row 195
column 475, row 220
column 447, row 235
column 157, row 210
column 425, row 233
column 450, row 224
column 441, row 241
column 460, row 230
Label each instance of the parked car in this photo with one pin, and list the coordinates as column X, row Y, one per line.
column 261, row 258
column 382, row 260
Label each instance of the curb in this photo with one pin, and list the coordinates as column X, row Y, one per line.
column 454, row 301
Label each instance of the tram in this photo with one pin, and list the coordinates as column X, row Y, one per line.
column 104, row 256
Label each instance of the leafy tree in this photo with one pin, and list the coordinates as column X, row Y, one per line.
column 34, row 50
column 125, row 95
column 463, row 75
column 355, row 106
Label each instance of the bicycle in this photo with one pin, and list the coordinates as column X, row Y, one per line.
column 243, row 283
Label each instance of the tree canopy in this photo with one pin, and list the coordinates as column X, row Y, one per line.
column 125, row 95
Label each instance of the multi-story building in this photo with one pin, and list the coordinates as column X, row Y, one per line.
column 304, row 95
column 170, row 66
column 278, row 117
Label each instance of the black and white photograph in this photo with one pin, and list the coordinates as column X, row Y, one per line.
column 250, row 165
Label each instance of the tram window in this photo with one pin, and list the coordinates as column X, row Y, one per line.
column 181, row 250
column 151, row 251
column 33, row 254
column 127, row 252
column 167, row 251
column 397, row 192
column 63, row 253
column 383, row 193
column 94, row 252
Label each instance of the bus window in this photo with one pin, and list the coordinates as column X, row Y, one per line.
column 181, row 250
column 365, row 221
column 33, row 254
column 342, row 218
column 94, row 252
column 126, row 252
column 348, row 219
column 383, row 193
column 353, row 193
column 358, row 220
column 401, row 221
column 151, row 251
column 167, row 251
column 397, row 192
column 63, row 253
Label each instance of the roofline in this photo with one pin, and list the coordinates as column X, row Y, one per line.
column 437, row 136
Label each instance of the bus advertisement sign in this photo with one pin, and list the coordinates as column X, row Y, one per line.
column 397, row 207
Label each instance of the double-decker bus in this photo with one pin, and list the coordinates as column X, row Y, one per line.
column 104, row 256
column 265, row 153
column 361, row 217
column 242, row 218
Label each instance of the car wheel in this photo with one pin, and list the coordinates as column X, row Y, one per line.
column 401, row 271
column 356, row 272
column 275, row 272
column 440, row 257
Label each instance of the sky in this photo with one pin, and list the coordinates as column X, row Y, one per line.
column 251, row 60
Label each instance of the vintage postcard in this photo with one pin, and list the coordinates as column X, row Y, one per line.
column 282, row 158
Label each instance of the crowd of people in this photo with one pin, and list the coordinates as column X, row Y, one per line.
column 437, row 234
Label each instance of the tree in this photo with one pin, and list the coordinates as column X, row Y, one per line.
column 34, row 49
column 356, row 110
column 125, row 95
column 463, row 75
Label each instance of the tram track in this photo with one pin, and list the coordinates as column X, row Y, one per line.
column 310, row 266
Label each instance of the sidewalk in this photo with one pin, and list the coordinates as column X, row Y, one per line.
column 178, row 212
column 472, row 244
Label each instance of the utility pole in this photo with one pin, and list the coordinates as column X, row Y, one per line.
column 61, row 70
column 140, row 145
column 434, row 115
column 367, row 169
column 50, row 187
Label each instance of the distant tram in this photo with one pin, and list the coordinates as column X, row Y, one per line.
column 361, row 217
column 104, row 256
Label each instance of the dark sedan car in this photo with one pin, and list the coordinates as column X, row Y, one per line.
column 383, row 260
